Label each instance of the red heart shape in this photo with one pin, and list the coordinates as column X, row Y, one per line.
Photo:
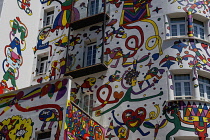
column 133, row 119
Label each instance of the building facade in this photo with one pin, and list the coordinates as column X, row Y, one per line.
column 140, row 69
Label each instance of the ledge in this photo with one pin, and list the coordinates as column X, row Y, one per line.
column 185, row 37
column 192, row 100
column 89, row 21
column 87, row 70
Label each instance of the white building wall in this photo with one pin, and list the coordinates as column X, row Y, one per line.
column 142, row 58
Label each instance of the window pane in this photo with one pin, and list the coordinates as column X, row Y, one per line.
column 187, row 88
column 201, row 89
column 182, row 77
column 200, row 23
column 91, row 55
column 174, row 30
column 201, row 33
column 178, row 89
column 182, row 29
column 208, row 91
column 177, row 20
column 195, row 31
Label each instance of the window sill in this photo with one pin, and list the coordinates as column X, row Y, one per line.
column 186, row 37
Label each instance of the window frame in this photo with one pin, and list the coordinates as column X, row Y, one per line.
column 205, row 85
column 178, row 26
column 51, row 16
column 182, row 82
column 44, row 62
column 85, row 107
column 199, row 25
column 95, row 10
column 90, row 58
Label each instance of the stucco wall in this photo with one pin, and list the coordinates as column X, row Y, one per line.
column 140, row 54
column 33, row 110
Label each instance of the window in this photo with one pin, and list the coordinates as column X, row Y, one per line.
column 49, row 17
column 182, row 86
column 178, row 26
column 93, row 7
column 198, row 28
column 90, row 54
column 87, row 103
column 204, row 87
column 42, row 61
column 44, row 136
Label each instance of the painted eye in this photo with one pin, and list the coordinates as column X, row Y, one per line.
column 140, row 112
column 128, row 115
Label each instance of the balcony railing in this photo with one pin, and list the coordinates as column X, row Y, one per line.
column 91, row 12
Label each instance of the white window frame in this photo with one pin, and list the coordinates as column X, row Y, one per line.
column 93, row 7
column 178, row 23
column 200, row 27
column 90, row 54
column 202, row 83
column 182, row 82
column 42, row 63
column 48, row 14
column 87, row 106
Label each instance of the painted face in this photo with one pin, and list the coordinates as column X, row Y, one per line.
column 134, row 119
column 200, row 125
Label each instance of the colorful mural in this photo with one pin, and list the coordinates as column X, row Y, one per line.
column 189, row 113
column 129, row 98
column 13, row 53
column 48, row 111
column 80, row 125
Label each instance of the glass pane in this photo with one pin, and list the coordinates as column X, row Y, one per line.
column 203, row 79
column 91, row 104
column 187, row 88
column 208, row 91
column 182, row 29
column 86, row 103
column 196, row 22
column 201, row 89
column 178, row 89
column 201, row 33
column 174, row 30
column 177, row 20
column 41, row 68
column 182, row 77
column 195, row 31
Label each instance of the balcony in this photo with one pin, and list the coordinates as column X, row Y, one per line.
column 89, row 21
column 95, row 12
column 89, row 60
column 87, row 70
